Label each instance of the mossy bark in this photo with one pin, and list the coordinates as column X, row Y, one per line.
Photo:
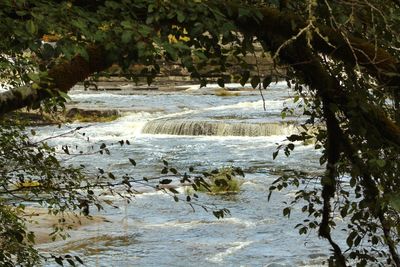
column 349, row 49
column 62, row 76
column 65, row 75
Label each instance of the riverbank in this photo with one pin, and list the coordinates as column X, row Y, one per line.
column 42, row 223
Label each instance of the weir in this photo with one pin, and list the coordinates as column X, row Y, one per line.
column 217, row 128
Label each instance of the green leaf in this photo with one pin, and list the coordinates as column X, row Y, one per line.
column 82, row 52
column 132, row 161
column 150, row 8
column 286, row 212
column 31, row 27
column 243, row 12
column 165, row 181
column 227, row 27
column 200, row 55
column 344, row 210
column 239, row 171
column 180, row 16
column 171, row 51
column 357, row 240
column 221, row 82
column 144, row 30
column 79, row 23
column 322, row 160
column 79, row 259
column 266, row 81
column 21, row 13
column 255, row 81
column 48, row 50
column 64, row 95
column 381, row 163
column 245, row 78
column 71, row 262
column 34, row 76
column 269, row 195
column 126, row 37
column 218, row 214
column 65, row 149
column 59, row 261
column 353, row 182
column 350, row 238
column 18, row 236
column 31, row 237
column 173, row 190
column 127, row 24
column 395, row 201
column 303, row 230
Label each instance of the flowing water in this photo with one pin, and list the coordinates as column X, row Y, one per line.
column 195, row 128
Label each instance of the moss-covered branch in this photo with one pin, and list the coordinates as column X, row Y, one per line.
column 62, row 77
column 347, row 48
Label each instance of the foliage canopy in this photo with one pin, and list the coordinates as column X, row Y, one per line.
column 341, row 58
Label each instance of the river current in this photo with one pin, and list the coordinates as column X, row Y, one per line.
column 193, row 127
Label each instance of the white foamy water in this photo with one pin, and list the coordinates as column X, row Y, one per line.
column 233, row 248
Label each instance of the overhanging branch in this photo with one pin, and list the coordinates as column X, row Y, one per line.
column 63, row 77
column 349, row 49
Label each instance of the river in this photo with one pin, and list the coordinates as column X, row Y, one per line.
column 193, row 127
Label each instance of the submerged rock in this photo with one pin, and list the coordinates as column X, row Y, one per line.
column 222, row 181
column 92, row 115
column 33, row 118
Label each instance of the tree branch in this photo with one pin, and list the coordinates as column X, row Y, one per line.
column 62, row 76
column 371, row 191
column 351, row 50
column 329, row 182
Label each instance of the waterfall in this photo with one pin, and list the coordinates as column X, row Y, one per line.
column 217, row 128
